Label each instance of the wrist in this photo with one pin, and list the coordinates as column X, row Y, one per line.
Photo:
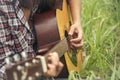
column 77, row 21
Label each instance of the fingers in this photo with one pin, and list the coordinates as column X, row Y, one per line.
column 77, row 45
column 53, row 70
column 77, row 37
column 77, row 42
column 71, row 31
column 54, row 65
column 59, row 68
column 53, row 58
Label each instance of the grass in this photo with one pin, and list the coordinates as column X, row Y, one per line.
column 101, row 27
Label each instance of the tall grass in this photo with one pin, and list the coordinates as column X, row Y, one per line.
column 101, row 27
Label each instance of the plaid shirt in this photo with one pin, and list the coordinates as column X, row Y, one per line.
column 15, row 34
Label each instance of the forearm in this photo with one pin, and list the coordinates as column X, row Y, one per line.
column 75, row 7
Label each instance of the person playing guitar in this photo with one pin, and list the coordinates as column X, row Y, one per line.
column 16, row 36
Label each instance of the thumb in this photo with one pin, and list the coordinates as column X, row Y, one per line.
column 71, row 31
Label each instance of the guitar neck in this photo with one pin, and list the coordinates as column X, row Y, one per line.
column 60, row 48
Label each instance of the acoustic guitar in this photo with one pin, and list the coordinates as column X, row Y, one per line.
column 50, row 27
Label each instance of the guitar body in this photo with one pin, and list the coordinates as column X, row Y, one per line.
column 63, row 20
column 50, row 27
column 46, row 31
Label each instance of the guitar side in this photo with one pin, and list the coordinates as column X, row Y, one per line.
column 63, row 22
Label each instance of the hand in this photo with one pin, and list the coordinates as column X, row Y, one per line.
column 77, row 36
column 54, row 65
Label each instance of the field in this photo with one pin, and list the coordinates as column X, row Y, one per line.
column 101, row 28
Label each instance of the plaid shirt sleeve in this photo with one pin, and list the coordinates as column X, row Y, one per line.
column 15, row 35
